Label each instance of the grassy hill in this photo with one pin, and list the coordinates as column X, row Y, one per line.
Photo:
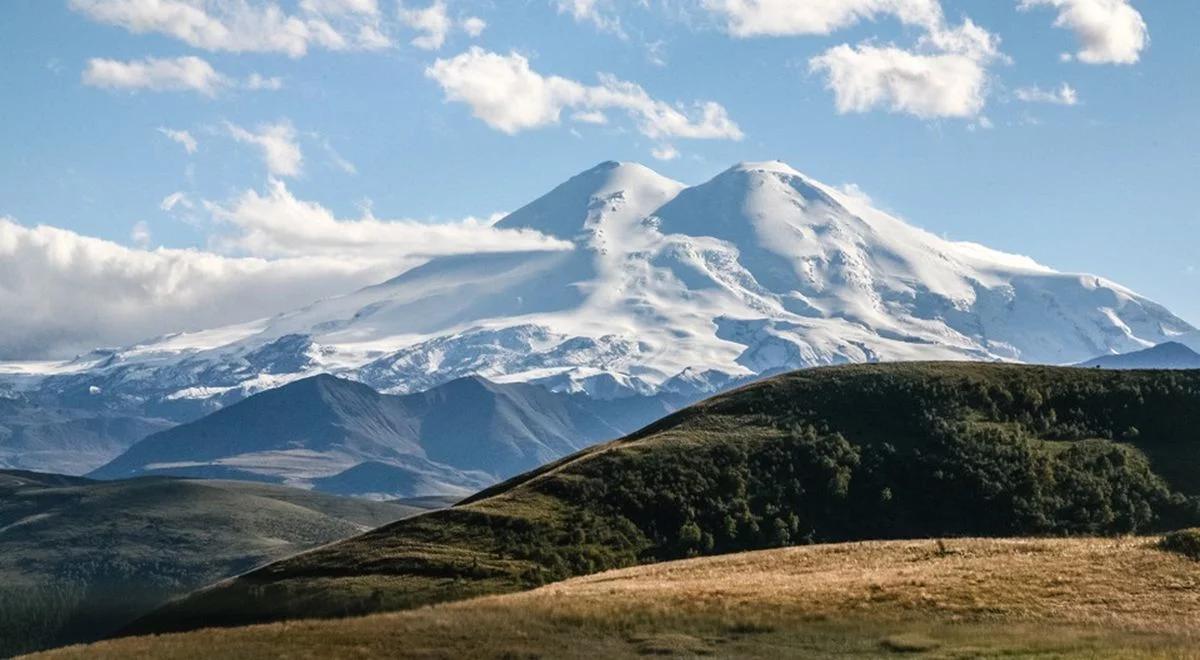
column 1059, row 598
column 79, row 558
column 823, row 455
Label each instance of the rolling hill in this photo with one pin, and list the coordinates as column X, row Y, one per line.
column 962, row 598
column 81, row 558
column 816, row 456
column 342, row 436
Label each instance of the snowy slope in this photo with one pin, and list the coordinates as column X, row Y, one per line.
column 668, row 287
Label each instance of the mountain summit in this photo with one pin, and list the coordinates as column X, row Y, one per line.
column 759, row 270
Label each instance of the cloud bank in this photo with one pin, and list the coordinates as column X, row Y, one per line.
column 274, row 253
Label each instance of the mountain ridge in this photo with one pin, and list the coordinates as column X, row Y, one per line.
column 332, row 433
column 759, row 270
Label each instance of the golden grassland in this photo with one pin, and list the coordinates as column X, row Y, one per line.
column 1113, row 597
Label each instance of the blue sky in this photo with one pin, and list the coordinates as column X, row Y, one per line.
column 1097, row 177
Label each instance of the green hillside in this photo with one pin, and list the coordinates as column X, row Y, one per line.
column 823, row 455
column 79, row 558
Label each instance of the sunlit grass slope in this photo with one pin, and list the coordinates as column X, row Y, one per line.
column 1060, row 598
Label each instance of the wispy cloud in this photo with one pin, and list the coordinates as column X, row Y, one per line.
column 182, row 137
column 277, row 143
column 1064, row 94
column 178, row 74
column 239, row 26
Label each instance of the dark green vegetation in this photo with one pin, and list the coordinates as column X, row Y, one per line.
column 79, row 558
column 1183, row 541
column 868, row 451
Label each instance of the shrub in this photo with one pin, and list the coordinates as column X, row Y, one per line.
column 1184, row 541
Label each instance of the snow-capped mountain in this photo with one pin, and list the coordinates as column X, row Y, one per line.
column 667, row 288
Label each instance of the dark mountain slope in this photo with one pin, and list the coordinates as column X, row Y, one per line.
column 80, row 558
column 1171, row 355
column 845, row 453
column 453, row 439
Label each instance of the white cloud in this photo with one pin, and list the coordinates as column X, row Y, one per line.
column 754, row 18
column 505, row 93
column 177, row 198
column 597, row 12
column 341, row 7
column 1064, row 94
column 184, row 138
column 277, row 141
column 474, row 26
column 432, row 22
column 336, row 158
column 665, row 152
column 177, row 75
column 944, row 76
column 76, row 293
column 277, row 224
column 245, row 26
column 140, row 234
column 594, row 117
column 256, row 82
column 1109, row 31
column 865, row 78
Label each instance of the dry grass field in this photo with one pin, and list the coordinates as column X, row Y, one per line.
column 1052, row 598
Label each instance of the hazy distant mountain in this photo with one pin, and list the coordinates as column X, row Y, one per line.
column 81, row 558
column 1169, row 355
column 42, row 436
column 342, row 436
column 759, row 270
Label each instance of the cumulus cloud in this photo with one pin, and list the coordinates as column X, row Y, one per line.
column 246, row 25
column 506, row 94
column 181, row 137
column 755, row 18
column 864, row 78
column 278, row 145
column 944, row 76
column 1064, row 94
column 178, row 74
column 1109, row 31
column 277, row 224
